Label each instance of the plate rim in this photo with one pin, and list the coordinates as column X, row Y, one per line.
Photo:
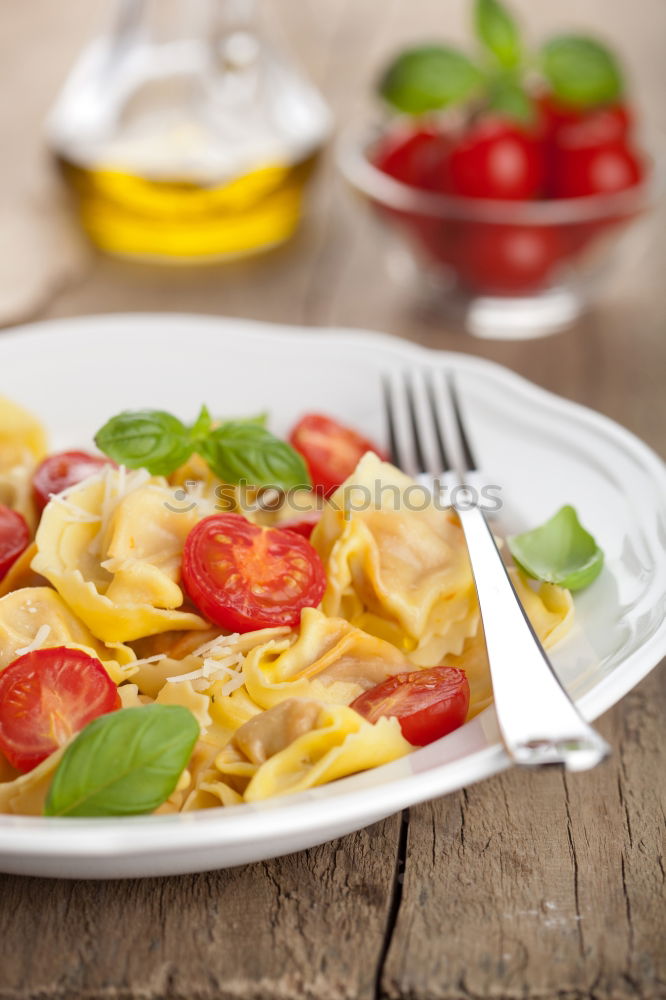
column 310, row 810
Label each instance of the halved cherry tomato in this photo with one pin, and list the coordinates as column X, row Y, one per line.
column 66, row 468
column 14, row 537
column 243, row 577
column 495, row 158
column 46, row 697
column 331, row 450
column 428, row 703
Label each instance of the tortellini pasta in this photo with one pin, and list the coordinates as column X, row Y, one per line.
column 299, row 744
column 20, row 432
column 39, row 610
column 25, row 794
column 22, row 445
column 111, row 546
column 330, row 660
column 397, row 567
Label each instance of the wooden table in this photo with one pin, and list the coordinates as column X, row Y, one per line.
column 525, row 886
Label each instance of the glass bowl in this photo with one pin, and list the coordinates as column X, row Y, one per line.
column 506, row 269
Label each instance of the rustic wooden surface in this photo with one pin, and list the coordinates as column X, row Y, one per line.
column 525, row 886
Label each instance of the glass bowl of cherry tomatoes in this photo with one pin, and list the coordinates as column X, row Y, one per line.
column 511, row 198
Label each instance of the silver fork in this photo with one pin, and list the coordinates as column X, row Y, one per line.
column 539, row 724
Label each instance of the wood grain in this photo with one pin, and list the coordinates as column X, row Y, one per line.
column 541, row 884
column 309, row 926
column 530, row 886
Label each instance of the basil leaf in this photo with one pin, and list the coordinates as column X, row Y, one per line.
column 124, row 763
column 560, row 551
column 149, row 439
column 498, row 31
column 581, row 71
column 241, row 450
column 509, row 99
column 429, row 77
column 202, row 425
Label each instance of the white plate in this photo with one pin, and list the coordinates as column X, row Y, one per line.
column 542, row 450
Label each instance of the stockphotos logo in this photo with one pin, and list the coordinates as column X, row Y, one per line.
column 349, row 499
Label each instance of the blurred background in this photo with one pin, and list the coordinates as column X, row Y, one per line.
column 333, row 271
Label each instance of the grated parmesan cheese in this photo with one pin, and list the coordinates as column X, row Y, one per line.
column 215, row 670
column 42, row 635
column 147, row 659
column 219, row 642
column 77, row 515
column 118, row 483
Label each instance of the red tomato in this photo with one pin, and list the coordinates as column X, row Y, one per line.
column 596, row 170
column 66, row 468
column 412, row 157
column 303, row 525
column 428, row 704
column 14, row 537
column 508, row 260
column 331, row 450
column 577, row 127
column 243, row 577
column 497, row 159
column 46, row 697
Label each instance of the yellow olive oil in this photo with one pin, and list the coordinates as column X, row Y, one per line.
column 130, row 215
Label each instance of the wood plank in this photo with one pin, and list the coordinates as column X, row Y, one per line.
column 525, row 886
column 537, row 885
column 306, row 927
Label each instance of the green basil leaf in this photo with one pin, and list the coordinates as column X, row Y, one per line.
column 124, row 763
column 560, row 551
column 202, row 425
column 241, row 450
column 429, row 77
column 498, row 31
column 149, row 439
column 581, row 71
column 508, row 98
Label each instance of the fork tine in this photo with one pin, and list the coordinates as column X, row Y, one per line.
column 465, row 446
column 438, row 426
column 390, row 421
column 417, row 432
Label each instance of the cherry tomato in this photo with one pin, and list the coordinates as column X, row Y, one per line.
column 596, row 170
column 243, row 577
column 66, row 468
column 575, row 128
column 412, row 157
column 497, row 159
column 428, row 704
column 46, row 697
column 506, row 259
column 14, row 537
column 303, row 525
column 331, row 450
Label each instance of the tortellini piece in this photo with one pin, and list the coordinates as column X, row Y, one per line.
column 26, row 613
column 299, row 744
column 112, row 546
column 20, row 433
column 22, row 445
column 396, row 565
column 21, row 574
column 330, row 660
column 25, row 794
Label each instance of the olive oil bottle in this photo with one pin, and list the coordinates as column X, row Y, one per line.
column 184, row 135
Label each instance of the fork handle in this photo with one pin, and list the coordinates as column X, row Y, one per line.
column 538, row 721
